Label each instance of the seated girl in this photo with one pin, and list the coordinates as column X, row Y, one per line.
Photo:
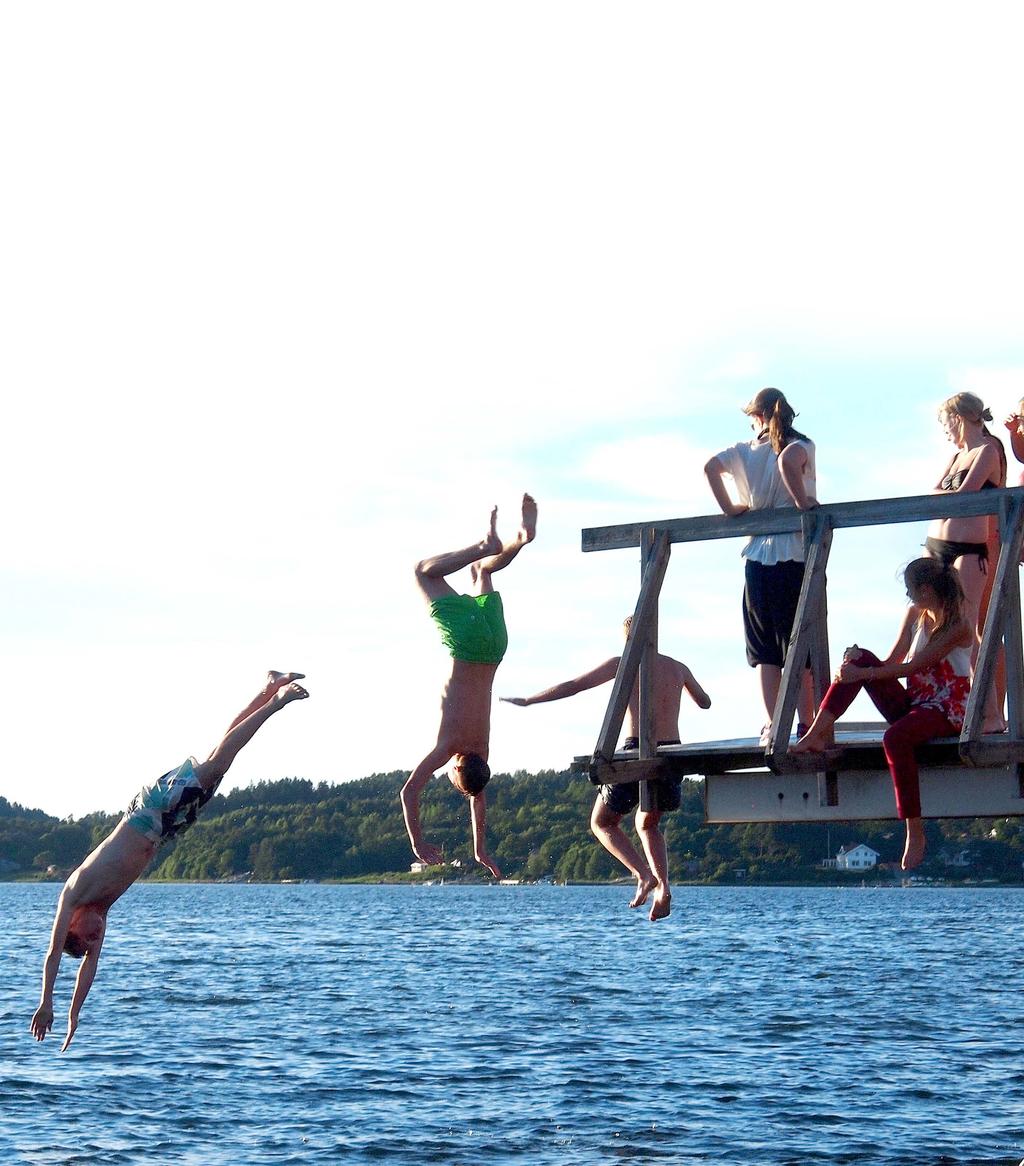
column 933, row 652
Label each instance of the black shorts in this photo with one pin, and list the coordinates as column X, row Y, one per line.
column 668, row 791
column 770, row 598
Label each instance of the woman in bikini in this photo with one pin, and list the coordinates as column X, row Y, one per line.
column 969, row 545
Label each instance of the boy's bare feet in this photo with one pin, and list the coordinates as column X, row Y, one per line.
column 913, row 853
column 276, row 680
column 662, row 905
column 289, row 693
column 528, row 529
column 491, row 543
column 644, row 885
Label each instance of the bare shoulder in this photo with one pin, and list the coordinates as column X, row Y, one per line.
column 675, row 666
column 795, row 454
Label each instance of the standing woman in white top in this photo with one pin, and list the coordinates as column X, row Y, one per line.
column 775, row 469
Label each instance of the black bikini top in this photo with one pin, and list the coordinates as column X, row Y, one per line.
column 955, row 481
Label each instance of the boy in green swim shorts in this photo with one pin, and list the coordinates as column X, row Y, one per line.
column 473, row 630
column 158, row 812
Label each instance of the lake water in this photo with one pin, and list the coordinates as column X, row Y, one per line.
column 543, row 1025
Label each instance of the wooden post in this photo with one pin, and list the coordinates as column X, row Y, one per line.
column 1003, row 618
column 653, row 544
column 808, row 636
column 629, row 664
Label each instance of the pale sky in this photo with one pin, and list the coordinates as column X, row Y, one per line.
column 293, row 293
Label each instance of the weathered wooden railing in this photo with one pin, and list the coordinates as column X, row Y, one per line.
column 809, row 639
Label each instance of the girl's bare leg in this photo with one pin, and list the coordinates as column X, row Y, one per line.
column 913, row 852
column 969, row 567
column 279, row 690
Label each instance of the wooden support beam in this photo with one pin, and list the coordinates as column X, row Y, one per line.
column 656, row 551
column 998, row 621
column 629, row 664
column 617, row 772
column 808, row 630
column 1011, row 538
column 873, row 512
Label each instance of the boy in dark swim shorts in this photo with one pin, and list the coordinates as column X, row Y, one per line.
column 621, row 799
column 613, row 802
column 158, row 812
column 473, row 630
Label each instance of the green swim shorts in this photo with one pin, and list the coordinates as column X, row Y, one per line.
column 472, row 626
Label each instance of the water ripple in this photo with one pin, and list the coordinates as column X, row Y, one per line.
column 242, row 1026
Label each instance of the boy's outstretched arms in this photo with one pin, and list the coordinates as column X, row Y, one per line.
column 599, row 675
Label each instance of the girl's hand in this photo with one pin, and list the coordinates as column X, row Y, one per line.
column 849, row 673
column 1014, row 422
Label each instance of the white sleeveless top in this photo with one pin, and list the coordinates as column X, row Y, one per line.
column 754, row 467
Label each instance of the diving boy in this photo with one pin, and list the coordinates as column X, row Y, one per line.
column 158, row 812
column 473, row 629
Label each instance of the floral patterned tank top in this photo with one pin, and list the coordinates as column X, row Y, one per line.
column 945, row 685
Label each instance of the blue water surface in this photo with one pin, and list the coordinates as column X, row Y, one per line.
column 505, row 1025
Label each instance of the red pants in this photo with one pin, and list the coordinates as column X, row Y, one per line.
column 909, row 726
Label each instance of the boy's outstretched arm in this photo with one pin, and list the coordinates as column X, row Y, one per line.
column 599, row 675
column 411, row 805
column 42, row 1019
column 478, row 816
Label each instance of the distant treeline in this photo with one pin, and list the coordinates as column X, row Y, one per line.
column 537, row 825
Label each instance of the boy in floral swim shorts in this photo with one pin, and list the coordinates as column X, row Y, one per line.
column 473, row 630
column 158, row 812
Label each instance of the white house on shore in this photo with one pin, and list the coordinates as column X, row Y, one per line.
column 859, row 857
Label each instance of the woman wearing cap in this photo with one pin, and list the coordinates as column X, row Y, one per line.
column 774, row 469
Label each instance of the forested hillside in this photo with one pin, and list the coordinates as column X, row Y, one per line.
column 537, row 824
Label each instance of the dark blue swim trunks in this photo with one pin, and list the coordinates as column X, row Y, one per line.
column 621, row 799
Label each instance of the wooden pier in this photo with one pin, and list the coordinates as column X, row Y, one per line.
column 969, row 776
